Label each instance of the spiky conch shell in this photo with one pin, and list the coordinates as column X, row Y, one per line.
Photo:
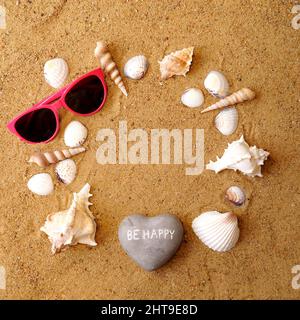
column 176, row 63
column 108, row 65
column 44, row 159
column 242, row 95
column 74, row 225
column 218, row 231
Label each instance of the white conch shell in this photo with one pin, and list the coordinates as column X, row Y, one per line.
column 136, row 67
column 56, row 72
column 192, row 98
column 218, row 231
column 75, row 134
column 235, row 195
column 227, row 120
column 66, row 171
column 216, row 84
column 74, row 225
column 41, row 184
column 239, row 156
column 176, row 63
column 240, row 96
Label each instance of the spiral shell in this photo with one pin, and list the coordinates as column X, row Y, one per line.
column 75, row 134
column 218, row 231
column 237, row 97
column 192, row 98
column 56, row 72
column 136, row 67
column 216, row 84
column 41, row 184
column 235, row 195
column 66, row 171
column 109, row 66
column 226, row 121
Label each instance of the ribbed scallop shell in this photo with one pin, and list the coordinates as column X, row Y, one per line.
column 136, row 67
column 75, row 134
column 227, row 120
column 66, row 171
column 192, row 98
column 56, row 72
column 218, row 231
column 41, row 184
column 235, row 195
column 216, row 84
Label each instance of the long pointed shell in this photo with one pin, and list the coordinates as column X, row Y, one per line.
column 108, row 65
column 136, row 67
column 66, row 171
column 176, row 63
column 237, row 97
column 74, row 225
column 218, row 231
column 75, row 134
column 216, row 84
column 41, row 184
column 235, row 195
column 227, row 120
column 56, row 72
column 47, row 158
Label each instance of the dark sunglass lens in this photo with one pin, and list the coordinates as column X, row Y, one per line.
column 86, row 96
column 37, row 126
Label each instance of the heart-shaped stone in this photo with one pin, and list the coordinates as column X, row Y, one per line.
column 151, row 241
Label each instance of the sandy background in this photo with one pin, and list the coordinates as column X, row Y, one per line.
column 253, row 43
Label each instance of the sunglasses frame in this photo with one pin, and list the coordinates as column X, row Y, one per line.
column 57, row 101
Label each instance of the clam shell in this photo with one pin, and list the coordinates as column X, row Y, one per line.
column 216, row 84
column 136, row 67
column 75, row 134
column 41, row 184
column 192, row 98
column 218, row 231
column 56, row 72
column 66, row 171
column 235, row 195
column 227, row 120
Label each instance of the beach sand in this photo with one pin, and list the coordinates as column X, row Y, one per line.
column 254, row 45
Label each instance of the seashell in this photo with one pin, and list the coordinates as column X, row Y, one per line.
column 235, row 195
column 176, row 63
column 218, row 231
column 56, row 72
column 66, row 171
column 75, row 134
column 136, row 67
column 237, row 97
column 227, row 120
column 41, row 184
column 192, row 98
column 74, row 225
column 239, row 156
column 109, row 66
column 216, row 84
column 2, row 18
column 296, row 20
column 47, row 158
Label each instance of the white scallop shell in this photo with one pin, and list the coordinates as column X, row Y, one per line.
column 192, row 98
column 56, row 72
column 66, row 171
column 216, row 84
column 136, row 67
column 226, row 121
column 235, row 195
column 41, row 184
column 218, row 231
column 75, row 134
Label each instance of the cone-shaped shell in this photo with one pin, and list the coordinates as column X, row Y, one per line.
column 176, row 63
column 235, row 195
column 218, row 231
column 226, row 121
column 56, row 72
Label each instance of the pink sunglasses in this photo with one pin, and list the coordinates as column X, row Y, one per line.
column 84, row 97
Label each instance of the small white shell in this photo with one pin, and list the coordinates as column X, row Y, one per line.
column 216, row 84
column 218, row 231
column 66, row 171
column 235, row 195
column 75, row 134
column 41, row 184
column 136, row 67
column 56, row 72
column 226, row 121
column 192, row 98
